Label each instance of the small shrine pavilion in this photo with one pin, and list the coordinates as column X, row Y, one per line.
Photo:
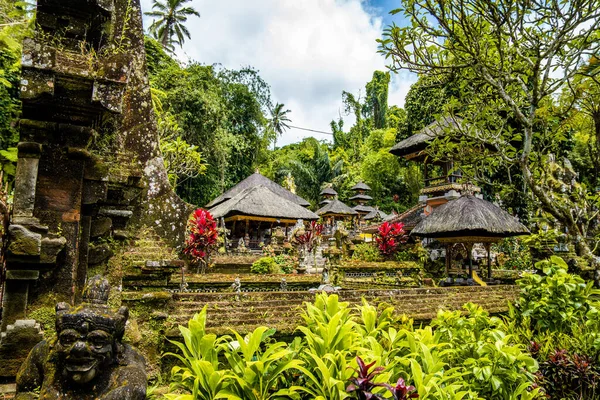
column 466, row 221
column 442, row 178
column 375, row 216
column 334, row 211
column 361, row 198
column 251, row 209
column 328, row 195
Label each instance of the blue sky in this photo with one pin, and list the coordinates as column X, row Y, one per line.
column 383, row 8
column 309, row 51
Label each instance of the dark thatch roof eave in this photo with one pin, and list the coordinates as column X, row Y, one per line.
column 419, row 140
column 260, row 201
column 360, row 186
column 257, row 179
column 328, row 191
column 361, row 197
column 363, row 209
column 469, row 216
column 375, row 214
column 336, row 207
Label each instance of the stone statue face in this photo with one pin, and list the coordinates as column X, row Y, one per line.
column 89, row 336
column 85, row 352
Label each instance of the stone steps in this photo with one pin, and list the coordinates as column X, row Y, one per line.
column 283, row 310
column 265, row 304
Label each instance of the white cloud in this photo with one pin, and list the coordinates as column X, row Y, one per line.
column 309, row 51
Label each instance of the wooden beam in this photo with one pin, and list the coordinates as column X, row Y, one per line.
column 259, row 219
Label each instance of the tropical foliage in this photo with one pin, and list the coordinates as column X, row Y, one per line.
column 362, row 353
column 14, row 25
column 168, row 27
column 547, row 347
column 496, row 63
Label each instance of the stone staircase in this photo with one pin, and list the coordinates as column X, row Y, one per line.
column 246, row 311
column 149, row 262
column 314, row 259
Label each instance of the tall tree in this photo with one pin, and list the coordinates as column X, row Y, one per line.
column 518, row 55
column 168, row 27
column 279, row 121
column 376, row 103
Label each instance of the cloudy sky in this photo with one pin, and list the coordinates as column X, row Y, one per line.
column 309, row 51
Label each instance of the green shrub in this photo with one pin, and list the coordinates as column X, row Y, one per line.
column 367, row 252
column 264, row 265
column 286, row 263
column 556, row 301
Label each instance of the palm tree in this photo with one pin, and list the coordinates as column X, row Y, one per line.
column 279, row 121
column 169, row 26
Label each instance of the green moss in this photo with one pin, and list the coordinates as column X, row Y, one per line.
column 387, row 265
column 46, row 316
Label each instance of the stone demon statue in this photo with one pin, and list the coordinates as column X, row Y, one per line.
column 87, row 360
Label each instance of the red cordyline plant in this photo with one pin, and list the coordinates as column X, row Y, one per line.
column 310, row 238
column 400, row 391
column 362, row 384
column 389, row 237
column 202, row 238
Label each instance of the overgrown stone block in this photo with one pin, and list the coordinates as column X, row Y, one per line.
column 23, row 242
column 15, row 344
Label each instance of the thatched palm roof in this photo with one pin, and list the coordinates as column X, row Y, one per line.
column 261, row 201
column 257, row 179
column 410, row 218
column 363, row 209
column 328, row 191
column 375, row 214
column 419, row 140
column 469, row 216
column 361, row 197
column 360, row 186
column 325, row 201
column 336, row 207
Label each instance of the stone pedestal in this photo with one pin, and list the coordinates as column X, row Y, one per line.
column 15, row 344
column 16, row 293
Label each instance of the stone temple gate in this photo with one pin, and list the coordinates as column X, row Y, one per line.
column 89, row 163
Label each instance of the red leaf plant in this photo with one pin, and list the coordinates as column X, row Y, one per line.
column 203, row 235
column 362, row 383
column 400, row 391
column 310, row 238
column 389, row 237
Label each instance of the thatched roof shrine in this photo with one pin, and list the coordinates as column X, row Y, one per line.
column 328, row 191
column 420, row 140
column 375, row 214
column 336, row 207
column 470, row 218
column 361, row 197
column 260, row 202
column 360, row 186
column 361, row 208
column 254, row 180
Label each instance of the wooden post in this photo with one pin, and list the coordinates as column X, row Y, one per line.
column 488, row 247
column 448, row 259
column 469, row 247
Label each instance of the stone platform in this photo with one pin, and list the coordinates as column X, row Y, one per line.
column 281, row 310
